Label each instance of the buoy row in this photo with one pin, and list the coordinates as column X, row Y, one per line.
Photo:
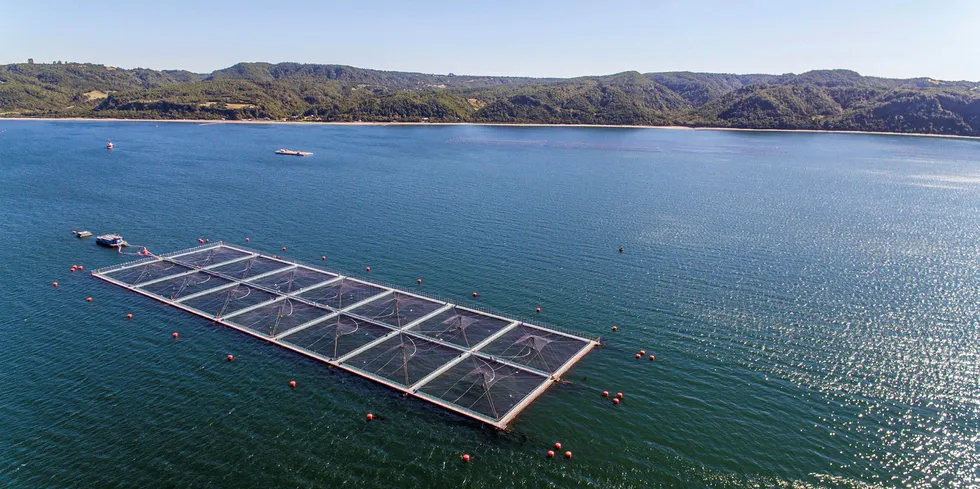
column 619, row 395
column 641, row 353
column 551, row 453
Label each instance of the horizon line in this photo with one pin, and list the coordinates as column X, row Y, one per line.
column 56, row 63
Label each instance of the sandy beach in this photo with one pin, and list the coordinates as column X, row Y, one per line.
column 612, row 126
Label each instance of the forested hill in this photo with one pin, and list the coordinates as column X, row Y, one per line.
column 827, row 99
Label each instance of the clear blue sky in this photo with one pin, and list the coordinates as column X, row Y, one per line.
column 506, row 37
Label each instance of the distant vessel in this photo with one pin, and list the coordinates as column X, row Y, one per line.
column 108, row 145
column 292, row 152
column 83, row 234
column 111, row 240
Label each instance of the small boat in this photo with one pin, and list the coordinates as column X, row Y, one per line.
column 292, row 152
column 108, row 145
column 83, row 234
column 111, row 240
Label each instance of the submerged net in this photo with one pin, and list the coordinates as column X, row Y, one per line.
column 397, row 309
column 485, row 366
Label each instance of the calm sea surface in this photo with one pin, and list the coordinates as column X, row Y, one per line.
column 813, row 301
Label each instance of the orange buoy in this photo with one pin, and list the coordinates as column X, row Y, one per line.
column 619, row 395
column 367, row 269
column 292, row 383
column 370, row 417
column 568, row 454
column 643, row 352
column 475, row 294
column 605, row 393
column 638, row 356
column 551, row 453
column 174, row 335
column 652, row 358
column 537, row 309
column 129, row 316
column 54, row 284
column 466, row 457
column 230, row 357
column 557, row 445
column 615, row 328
column 615, row 401
column 419, row 281
column 88, row 299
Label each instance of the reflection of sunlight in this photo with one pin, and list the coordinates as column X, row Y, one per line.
column 968, row 178
column 931, row 180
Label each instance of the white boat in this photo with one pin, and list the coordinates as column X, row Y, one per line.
column 292, row 152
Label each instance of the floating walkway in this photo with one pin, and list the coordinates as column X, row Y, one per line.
column 481, row 365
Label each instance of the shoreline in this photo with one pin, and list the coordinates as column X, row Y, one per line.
column 494, row 124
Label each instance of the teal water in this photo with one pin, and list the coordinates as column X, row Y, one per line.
column 812, row 300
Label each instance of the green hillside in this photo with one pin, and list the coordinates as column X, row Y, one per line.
column 822, row 99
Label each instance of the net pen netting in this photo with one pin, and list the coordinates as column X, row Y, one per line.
column 479, row 364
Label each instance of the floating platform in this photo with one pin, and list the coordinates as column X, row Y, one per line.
column 481, row 365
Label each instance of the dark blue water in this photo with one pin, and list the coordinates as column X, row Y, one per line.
column 812, row 300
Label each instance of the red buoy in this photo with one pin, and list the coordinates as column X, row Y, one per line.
column 73, row 269
column 614, row 328
column 292, row 383
column 370, row 417
column 54, row 284
column 247, row 240
column 619, row 395
column 615, row 401
column 605, row 393
column 230, row 357
column 537, row 309
column 81, row 267
column 638, row 356
column 475, row 294
column 129, row 316
column 367, row 269
column 466, row 457
column 557, row 445
column 643, row 352
column 323, row 257
column 283, row 248
column 551, row 453
column 88, row 299
column 174, row 335
column 419, row 281
column 207, row 240
column 652, row 358
column 568, row 454
column 200, row 240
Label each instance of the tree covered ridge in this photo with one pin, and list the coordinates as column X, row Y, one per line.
column 822, row 99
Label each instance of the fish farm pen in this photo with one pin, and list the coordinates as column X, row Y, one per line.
column 478, row 364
